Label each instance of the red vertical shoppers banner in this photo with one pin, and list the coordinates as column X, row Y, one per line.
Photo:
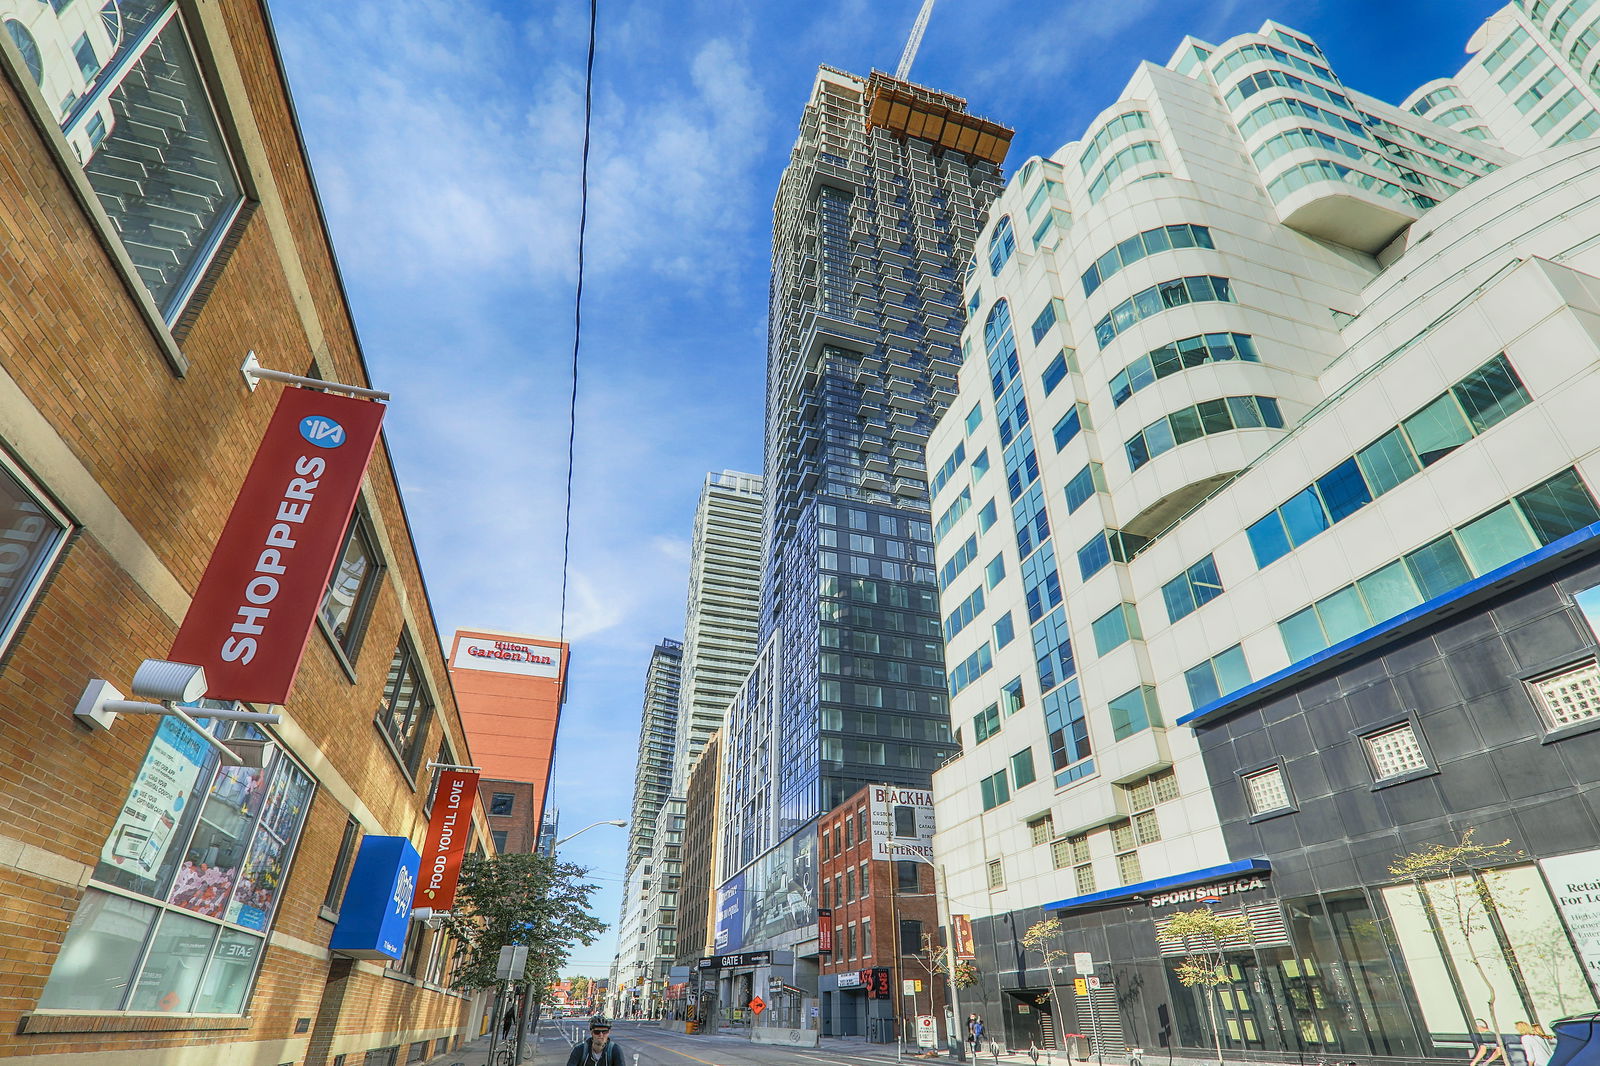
column 448, row 829
column 258, row 599
column 824, row 930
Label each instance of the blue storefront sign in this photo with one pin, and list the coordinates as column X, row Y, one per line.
column 376, row 912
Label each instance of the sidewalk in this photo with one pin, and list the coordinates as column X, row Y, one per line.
column 472, row 1053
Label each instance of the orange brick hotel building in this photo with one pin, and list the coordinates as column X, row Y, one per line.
column 157, row 904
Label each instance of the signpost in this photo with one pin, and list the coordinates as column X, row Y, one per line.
column 757, row 1005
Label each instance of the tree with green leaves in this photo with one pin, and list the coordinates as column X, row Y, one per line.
column 1204, row 935
column 520, row 899
column 1454, row 880
column 1045, row 938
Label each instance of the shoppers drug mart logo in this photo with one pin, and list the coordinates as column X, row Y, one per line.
column 323, row 432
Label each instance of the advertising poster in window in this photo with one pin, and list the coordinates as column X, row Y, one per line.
column 205, row 881
column 1575, row 883
column 145, row 827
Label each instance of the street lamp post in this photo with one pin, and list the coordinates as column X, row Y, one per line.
column 530, row 1017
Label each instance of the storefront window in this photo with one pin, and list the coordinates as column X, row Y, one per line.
column 1515, row 949
column 187, row 881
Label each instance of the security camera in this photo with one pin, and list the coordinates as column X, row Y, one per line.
column 158, row 679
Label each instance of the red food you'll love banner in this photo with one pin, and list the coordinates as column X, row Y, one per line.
column 257, row 601
column 449, row 827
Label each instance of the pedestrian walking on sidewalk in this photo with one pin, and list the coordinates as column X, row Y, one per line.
column 598, row 1050
column 974, row 1032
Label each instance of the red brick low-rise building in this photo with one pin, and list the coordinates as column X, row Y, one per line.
column 884, row 917
column 162, row 906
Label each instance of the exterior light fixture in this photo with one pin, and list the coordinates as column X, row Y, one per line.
column 170, row 684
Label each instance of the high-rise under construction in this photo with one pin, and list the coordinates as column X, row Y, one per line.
column 884, row 193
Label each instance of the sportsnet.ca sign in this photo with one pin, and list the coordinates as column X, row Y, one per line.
column 1208, row 893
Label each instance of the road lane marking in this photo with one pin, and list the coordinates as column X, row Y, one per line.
column 674, row 1051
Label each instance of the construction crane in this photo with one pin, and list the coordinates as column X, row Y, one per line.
column 917, row 29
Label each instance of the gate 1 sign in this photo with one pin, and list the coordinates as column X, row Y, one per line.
column 257, row 601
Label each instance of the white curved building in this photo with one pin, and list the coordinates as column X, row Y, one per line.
column 1264, row 520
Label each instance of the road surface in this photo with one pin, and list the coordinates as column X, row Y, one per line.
column 654, row 1046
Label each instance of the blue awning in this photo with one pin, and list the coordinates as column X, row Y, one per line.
column 1163, row 884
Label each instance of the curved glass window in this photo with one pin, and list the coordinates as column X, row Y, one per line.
column 1124, row 160
column 1289, row 107
column 1181, row 355
column 1001, row 345
column 1002, row 242
column 1200, row 288
column 28, row 47
column 1124, row 123
column 1041, row 197
column 1505, row 49
column 1140, row 245
column 1265, row 52
column 1201, row 420
column 1251, row 84
column 1304, row 137
column 1454, row 114
column 1324, row 170
column 1434, row 99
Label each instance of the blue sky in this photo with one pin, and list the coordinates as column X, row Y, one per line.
column 445, row 138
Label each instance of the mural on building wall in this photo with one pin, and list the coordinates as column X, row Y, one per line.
column 774, row 895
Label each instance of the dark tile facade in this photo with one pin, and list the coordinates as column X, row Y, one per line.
column 1336, row 981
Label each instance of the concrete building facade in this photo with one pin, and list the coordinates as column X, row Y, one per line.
column 1267, row 522
column 719, row 629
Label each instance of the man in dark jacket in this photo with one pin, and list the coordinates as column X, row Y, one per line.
column 598, row 1050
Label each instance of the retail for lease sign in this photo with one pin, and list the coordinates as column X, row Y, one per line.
column 1575, row 883
column 258, row 598
column 507, row 656
column 448, row 829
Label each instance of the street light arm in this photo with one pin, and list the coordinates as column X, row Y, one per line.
column 619, row 823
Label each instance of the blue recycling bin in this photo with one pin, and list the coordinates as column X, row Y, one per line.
column 1577, row 1041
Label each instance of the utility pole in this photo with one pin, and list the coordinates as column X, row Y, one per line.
column 957, row 1028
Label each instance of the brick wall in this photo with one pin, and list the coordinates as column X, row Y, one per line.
column 146, row 461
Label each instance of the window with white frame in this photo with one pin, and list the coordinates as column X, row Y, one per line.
column 1569, row 697
column 997, row 876
column 1394, row 751
column 1041, row 829
column 188, row 882
column 135, row 111
column 1266, row 790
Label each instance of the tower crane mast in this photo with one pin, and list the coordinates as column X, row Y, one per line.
column 918, row 28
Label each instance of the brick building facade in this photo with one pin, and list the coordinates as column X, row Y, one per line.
column 875, row 904
column 160, row 222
